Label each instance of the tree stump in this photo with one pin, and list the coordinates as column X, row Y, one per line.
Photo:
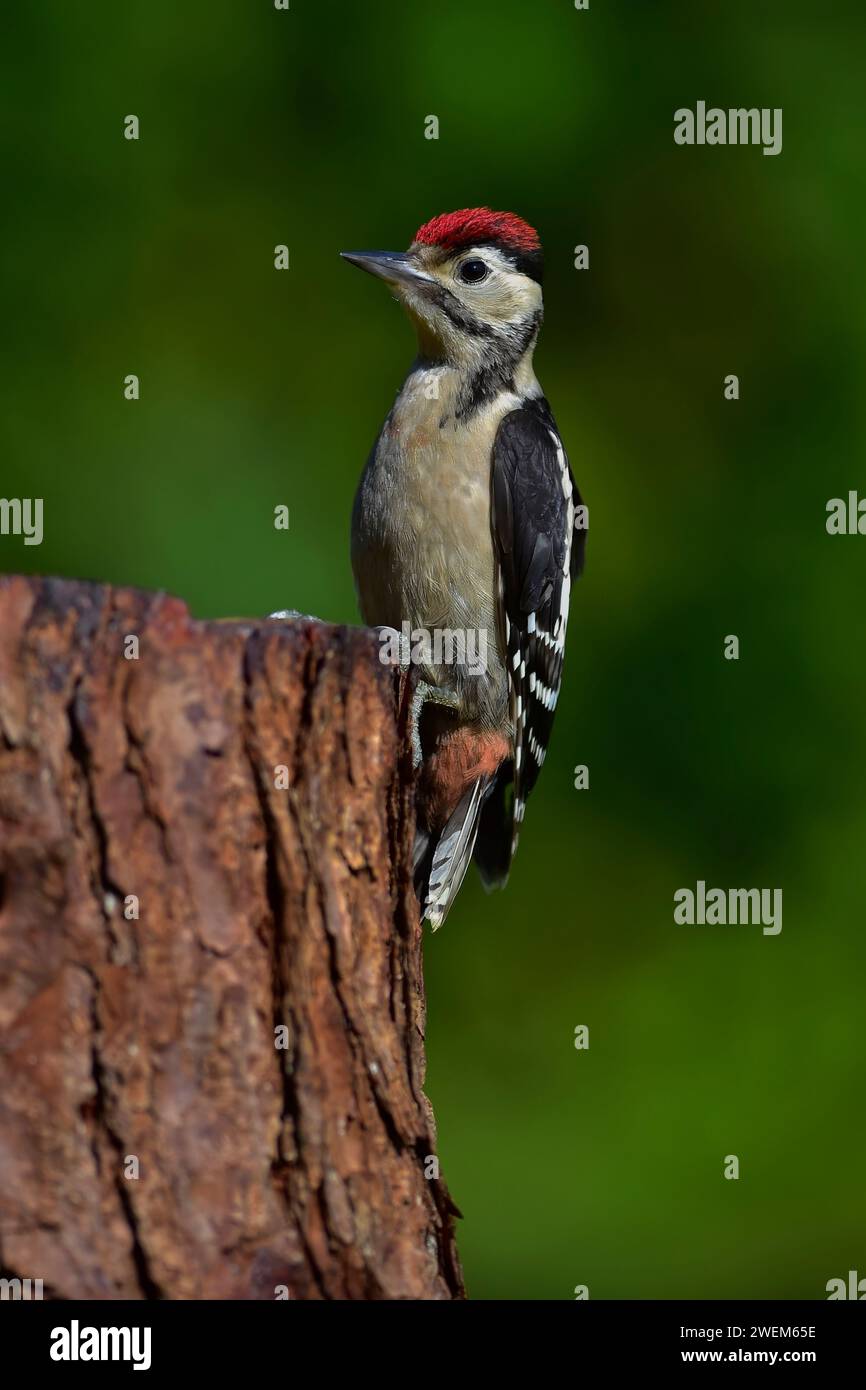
column 211, row 996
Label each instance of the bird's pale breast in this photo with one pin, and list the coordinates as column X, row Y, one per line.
column 421, row 540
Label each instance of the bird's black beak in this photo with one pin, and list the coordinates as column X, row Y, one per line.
column 397, row 267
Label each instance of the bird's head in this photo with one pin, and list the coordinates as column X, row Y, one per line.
column 471, row 282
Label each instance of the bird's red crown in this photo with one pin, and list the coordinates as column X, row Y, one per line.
column 472, row 226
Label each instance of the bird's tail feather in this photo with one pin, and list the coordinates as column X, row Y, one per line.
column 449, row 856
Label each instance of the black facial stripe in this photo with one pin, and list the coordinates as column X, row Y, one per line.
column 459, row 315
column 531, row 264
column 496, row 373
column 485, row 385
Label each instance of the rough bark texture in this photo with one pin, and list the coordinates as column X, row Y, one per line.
column 154, row 1038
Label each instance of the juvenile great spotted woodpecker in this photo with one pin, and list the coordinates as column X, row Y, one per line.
column 468, row 520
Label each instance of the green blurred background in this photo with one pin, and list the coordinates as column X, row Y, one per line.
column 260, row 127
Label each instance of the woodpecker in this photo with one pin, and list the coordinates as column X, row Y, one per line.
column 467, row 519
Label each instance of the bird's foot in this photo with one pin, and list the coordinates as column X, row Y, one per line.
column 427, row 694
column 289, row 613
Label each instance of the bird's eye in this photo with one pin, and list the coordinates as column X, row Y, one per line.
column 472, row 272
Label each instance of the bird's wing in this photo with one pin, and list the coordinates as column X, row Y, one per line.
column 539, row 540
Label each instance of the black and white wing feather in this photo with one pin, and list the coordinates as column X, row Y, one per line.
column 539, row 538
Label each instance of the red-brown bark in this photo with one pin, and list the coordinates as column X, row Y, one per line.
column 259, row 908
